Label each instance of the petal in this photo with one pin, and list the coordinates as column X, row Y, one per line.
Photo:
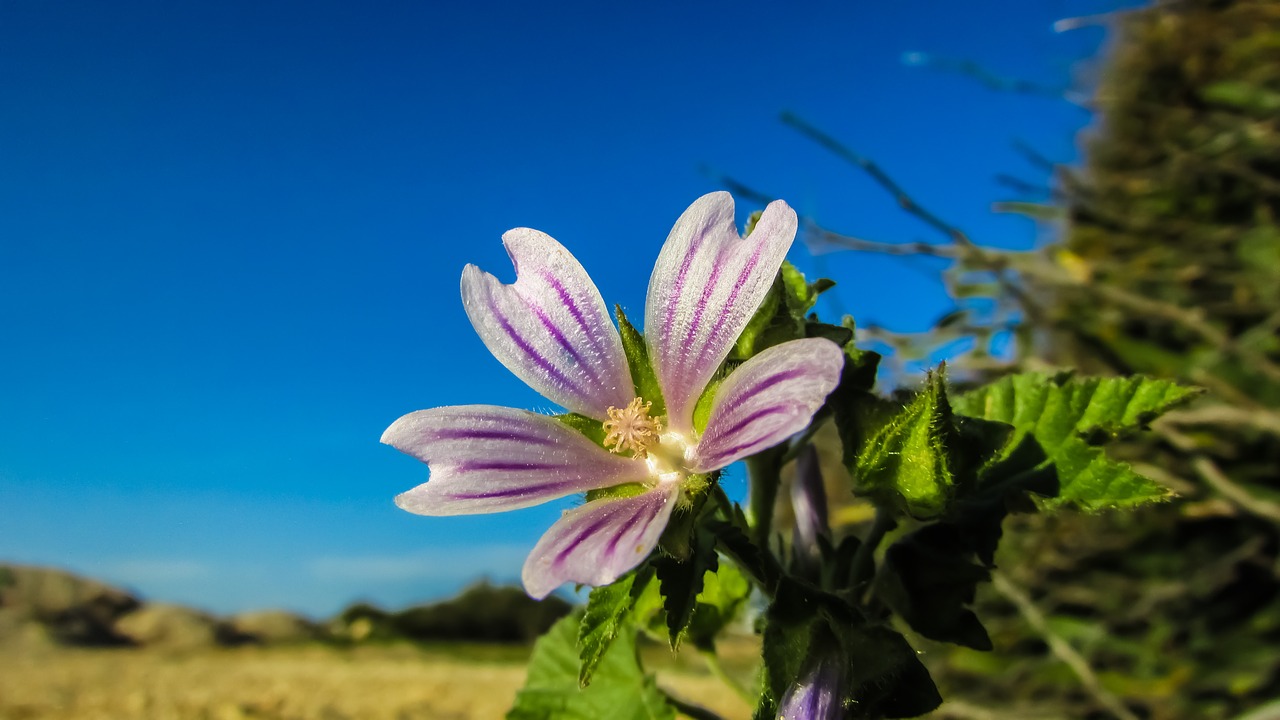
column 809, row 500
column 598, row 542
column 768, row 399
column 489, row 459
column 705, row 287
column 550, row 327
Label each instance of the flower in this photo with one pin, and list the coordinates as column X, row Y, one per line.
column 809, row 503
column 817, row 694
column 551, row 328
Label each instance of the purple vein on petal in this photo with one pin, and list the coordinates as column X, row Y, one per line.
column 533, row 353
column 744, row 423
column 582, row 536
column 563, row 341
column 482, row 465
column 732, row 404
column 479, row 434
column 572, row 306
column 504, row 492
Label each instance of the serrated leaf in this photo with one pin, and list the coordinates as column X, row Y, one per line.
column 882, row 678
column 622, row 689
column 1065, row 414
column 907, row 463
column 610, row 608
column 929, row 580
column 724, row 593
column 638, row 360
column 681, row 580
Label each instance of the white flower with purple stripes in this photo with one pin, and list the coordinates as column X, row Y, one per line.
column 552, row 329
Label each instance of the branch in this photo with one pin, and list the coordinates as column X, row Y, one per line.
column 1060, row 648
column 1209, row 471
column 696, row 712
column 815, row 234
column 873, row 170
column 1226, row 415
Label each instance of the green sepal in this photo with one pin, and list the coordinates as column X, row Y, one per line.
column 642, row 375
column 592, row 428
column 782, row 314
column 907, row 463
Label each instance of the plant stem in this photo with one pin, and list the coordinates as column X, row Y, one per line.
column 763, row 478
column 864, row 559
column 713, row 664
column 697, row 712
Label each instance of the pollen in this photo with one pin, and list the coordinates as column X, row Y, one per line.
column 632, row 429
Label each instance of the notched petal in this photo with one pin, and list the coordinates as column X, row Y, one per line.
column 768, row 399
column 705, row 287
column 490, row 459
column 597, row 543
column 550, row 327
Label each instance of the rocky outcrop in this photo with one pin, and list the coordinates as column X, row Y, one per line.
column 171, row 627
column 69, row 609
column 273, row 627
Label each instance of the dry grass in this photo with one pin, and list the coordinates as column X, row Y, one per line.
column 300, row 683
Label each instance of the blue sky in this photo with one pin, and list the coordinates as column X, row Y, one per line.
column 231, row 235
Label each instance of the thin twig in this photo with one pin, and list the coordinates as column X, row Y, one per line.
column 882, row 178
column 688, row 709
column 817, row 235
column 1209, row 471
column 1060, row 648
column 1225, row 415
column 713, row 664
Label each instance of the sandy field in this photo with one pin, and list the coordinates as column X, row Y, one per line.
column 298, row 683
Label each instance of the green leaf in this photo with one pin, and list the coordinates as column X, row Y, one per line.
column 622, row 689
column 883, row 677
column 1244, row 96
column 681, row 580
column 724, row 593
column 929, row 580
column 907, row 462
column 1067, row 416
column 638, row 360
column 610, row 609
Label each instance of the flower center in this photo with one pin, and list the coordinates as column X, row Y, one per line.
column 632, row 429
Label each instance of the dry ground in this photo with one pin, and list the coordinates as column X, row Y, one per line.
column 299, row 683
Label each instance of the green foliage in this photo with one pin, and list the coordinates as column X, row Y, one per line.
column 929, row 580
column 622, row 690
column 781, row 317
column 724, row 594
column 611, row 609
column 907, row 462
column 882, row 675
column 638, row 360
column 482, row 612
column 1065, row 415
column 681, row 582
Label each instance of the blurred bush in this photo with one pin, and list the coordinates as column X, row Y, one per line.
column 482, row 613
